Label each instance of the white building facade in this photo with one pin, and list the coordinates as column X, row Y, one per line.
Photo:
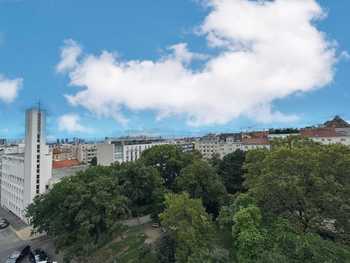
column 86, row 152
column 27, row 175
column 224, row 144
column 124, row 150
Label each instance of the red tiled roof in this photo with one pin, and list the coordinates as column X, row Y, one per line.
column 319, row 132
column 64, row 164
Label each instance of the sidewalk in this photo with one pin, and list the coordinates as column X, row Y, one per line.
column 15, row 222
column 21, row 229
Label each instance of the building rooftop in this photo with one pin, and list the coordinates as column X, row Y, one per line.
column 64, row 164
column 58, row 174
column 337, row 122
column 319, row 132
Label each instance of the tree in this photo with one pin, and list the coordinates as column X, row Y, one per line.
column 201, row 181
column 166, row 249
column 80, row 212
column 215, row 161
column 188, row 224
column 250, row 237
column 231, row 171
column 143, row 186
column 308, row 184
column 169, row 160
column 93, row 161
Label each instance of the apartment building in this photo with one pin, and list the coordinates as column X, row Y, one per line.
column 86, row 152
column 223, row 144
column 6, row 150
column 124, row 149
column 26, row 175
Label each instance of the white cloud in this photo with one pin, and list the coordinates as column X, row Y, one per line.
column 9, row 88
column 71, row 123
column 69, row 55
column 267, row 50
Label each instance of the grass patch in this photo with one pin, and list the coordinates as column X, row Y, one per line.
column 123, row 249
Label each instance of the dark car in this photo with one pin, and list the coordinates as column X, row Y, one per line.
column 24, row 253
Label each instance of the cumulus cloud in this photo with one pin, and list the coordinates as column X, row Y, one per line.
column 9, row 88
column 69, row 55
column 71, row 123
column 266, row 50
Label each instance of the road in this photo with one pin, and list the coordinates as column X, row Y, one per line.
column 9, row 242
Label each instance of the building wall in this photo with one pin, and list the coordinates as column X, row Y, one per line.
column 105, row 154
column 208, row 149
column 12, row 184
column 33, row 171
column 86, row 152
column 345, row 140
column 119, row 151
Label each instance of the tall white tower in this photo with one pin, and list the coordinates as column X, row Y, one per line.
column 37, row 156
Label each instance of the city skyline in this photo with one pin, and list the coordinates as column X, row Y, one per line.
column 132, row 36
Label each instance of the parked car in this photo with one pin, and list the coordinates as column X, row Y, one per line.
column 40, row 256
column 26, row 251
column 13, row 257
column 4, row 223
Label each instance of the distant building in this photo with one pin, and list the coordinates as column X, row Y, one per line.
column 331, row 132
column 66, row 168
column 6, row 150
column 86, row 152
column 64, row 152
column 124, row 149
column 223, row 144
column 185, row 144
column 26, row 175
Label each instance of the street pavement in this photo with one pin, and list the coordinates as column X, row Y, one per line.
column 9, row 242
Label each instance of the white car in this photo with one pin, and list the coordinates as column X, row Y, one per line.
column 13, row 257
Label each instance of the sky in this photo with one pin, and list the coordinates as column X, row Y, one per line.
column 172, row 68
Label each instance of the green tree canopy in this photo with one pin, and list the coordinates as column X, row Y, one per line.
column 308, row 184
column 230, row 169
column 81, row 211
column 188, row 224
column 201, row 181
column 143, row 185
column 169, row 160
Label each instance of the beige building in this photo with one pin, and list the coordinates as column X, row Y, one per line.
column 86, row 152
column 124, row 149
column 223, row 144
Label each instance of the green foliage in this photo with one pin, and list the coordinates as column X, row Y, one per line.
column 307, row 184
column 169, row 160
column 215, row 161
column 166, row 249
column 80, row 212
column 143, row 186
column 201, row 181
column 249, row 235
column 93, row 161
column 188, row 224
column 230, row 169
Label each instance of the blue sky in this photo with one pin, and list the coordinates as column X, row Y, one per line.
column 32, row 35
